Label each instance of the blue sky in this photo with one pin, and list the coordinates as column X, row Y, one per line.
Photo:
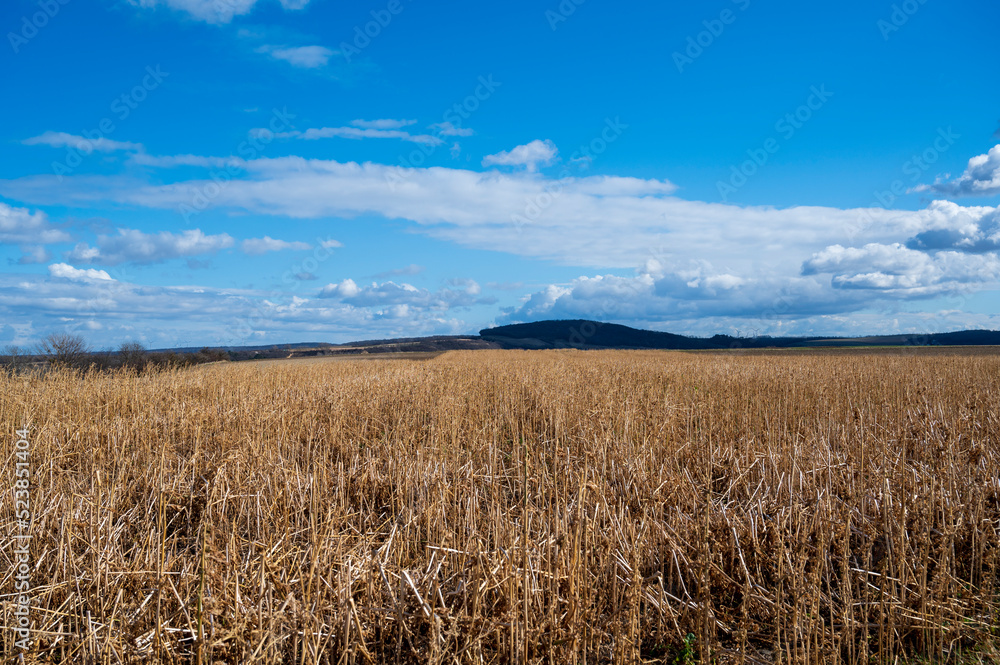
column 202, row 172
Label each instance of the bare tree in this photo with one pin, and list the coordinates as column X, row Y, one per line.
column 15, row 358
column 132, row 354
column 64, row 349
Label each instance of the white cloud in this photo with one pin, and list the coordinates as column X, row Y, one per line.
column 214, row 11
column 674, row 300
column 306, row 57
column 74, row 300
column 363, row 133
column 257, row 246
column 698, row 259
column 384, row 123
column 469, row 286
column 981, row 178
column 893, row 258
column 834, row 281
column 529, row 155
column 898, row 268
column 449, row 129
column 133, row 246
column 66, row 271
column 599, row 220
column 345, row 289
column 464, row 293
column 21, row 226
column 34, row 254
column 330, row 243
column 83, row 144
column 947, row 225
column 84, row 253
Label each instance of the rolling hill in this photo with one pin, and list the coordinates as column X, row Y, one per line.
column 583, row 334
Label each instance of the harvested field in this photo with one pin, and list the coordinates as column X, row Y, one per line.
column 514, row 506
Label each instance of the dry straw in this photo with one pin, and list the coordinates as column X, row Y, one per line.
column 493, row 507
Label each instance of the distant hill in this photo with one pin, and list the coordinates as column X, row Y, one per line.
column 583, row 334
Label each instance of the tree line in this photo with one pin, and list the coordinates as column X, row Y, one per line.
column 65, row 350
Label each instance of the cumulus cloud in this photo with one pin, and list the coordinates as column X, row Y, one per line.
column 896, row 267
column 257, row 246
column 461, row 293
column 570, row 220
column 697, row 260
column 344, row 289
column 469, row 286
column 71, row 299
column 83, row 144
column 66, row 271
column 698, row 292
column 34, row 254
column 947, row 225
column 306, row 57
column 21, row 226
column 893, row 258
column 214, row 11
column 981, row 178
column 833, row 282
column 529, row 155
column 134, row 246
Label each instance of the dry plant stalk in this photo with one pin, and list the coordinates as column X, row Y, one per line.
column 507, row 506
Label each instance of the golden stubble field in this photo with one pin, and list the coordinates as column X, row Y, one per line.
column 507, row 506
